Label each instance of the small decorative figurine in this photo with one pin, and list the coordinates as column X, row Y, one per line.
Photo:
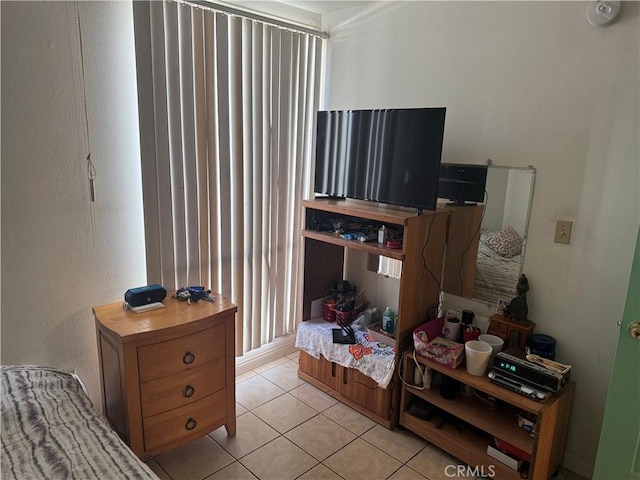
column 517, row 308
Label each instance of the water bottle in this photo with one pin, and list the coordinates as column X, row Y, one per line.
column 388, row 321
column 382, row 234
column 417, row 376
column 428, row 376
column 422, row 378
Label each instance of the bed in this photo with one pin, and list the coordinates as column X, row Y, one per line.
column 496, row 273
column 51, row 430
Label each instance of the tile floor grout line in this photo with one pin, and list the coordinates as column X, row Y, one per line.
column 287, row 378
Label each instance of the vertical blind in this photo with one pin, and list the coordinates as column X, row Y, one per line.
column 226, row 114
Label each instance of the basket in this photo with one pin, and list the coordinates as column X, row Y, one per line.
column 345, row 318
column 328, row 313
column 425, row 333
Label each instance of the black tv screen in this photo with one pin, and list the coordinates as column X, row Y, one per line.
column 463, row 184
column 388, row 156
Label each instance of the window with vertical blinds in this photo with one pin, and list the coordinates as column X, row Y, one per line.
column 227, row 109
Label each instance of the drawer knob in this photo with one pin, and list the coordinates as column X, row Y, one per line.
column 188, row 391
column 191, row 424
column 188, row 358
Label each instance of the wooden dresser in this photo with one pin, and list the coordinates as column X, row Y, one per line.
column 167, row 375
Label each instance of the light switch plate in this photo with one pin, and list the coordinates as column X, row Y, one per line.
column 563, row 231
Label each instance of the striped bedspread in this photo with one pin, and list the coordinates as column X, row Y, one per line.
column 50, row 430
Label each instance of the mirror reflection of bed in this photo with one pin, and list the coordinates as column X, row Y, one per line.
column 499, row 256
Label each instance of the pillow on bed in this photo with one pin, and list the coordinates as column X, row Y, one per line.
column 506, row 243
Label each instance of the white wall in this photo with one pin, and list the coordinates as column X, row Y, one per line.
column 516, row 205
column 54, row 268
column 526, row 83
column 497, row 182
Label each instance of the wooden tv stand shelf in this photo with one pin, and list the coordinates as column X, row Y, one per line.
column 421, row 254
column 469, row 443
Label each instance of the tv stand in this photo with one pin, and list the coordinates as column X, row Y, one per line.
column 421, row 254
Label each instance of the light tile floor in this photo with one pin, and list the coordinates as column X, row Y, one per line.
column 288, row 429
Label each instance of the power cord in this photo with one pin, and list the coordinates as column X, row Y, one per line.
column 418, row 366
column 424, row 248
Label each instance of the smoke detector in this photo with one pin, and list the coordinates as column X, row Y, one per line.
column 603, row 13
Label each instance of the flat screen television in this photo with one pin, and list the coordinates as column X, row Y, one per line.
column 463, row 184
column 388, row 156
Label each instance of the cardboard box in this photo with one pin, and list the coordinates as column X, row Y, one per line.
column 504, row 458
column 375, row 330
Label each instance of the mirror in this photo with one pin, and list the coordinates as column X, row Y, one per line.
column 485, row 249
column 485, row 263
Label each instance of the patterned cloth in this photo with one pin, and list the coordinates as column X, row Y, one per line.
column 374, row 359
column 50, row 430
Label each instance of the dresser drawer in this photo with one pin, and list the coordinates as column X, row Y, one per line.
column 180, row 354
column 364, row 391
column 197, row 418
column 167, row 393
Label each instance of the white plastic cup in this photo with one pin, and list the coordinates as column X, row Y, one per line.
column 451, row 329
column 477, row 355
column 496, row 342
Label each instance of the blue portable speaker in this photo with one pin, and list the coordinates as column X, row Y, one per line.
column 136, row 297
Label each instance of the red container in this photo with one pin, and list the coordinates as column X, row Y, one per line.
column 470, row 333
column 345, row 318
column 328, row 313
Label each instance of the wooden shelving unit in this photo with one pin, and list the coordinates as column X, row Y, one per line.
column 423, row 239
column 477, row 422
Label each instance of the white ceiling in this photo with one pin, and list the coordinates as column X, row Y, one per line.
column 324, row 6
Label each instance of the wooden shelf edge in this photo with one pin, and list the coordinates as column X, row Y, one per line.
column 472, row 450
column 485, row 385
column 380, row 212
column 492, row 422
column 369, row 247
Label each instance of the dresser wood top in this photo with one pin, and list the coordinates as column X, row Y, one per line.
column 127, row 324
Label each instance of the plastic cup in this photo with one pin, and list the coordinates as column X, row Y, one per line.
column 477, row 355
column 496, row 342
column 451, row 329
